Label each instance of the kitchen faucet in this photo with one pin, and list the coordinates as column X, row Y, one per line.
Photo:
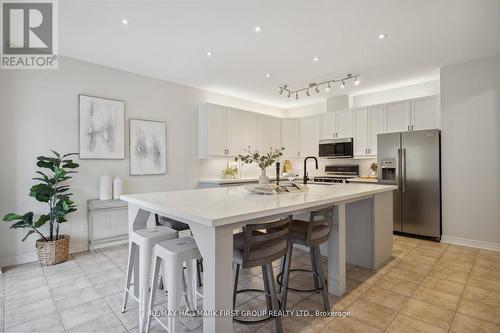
column 305, row 167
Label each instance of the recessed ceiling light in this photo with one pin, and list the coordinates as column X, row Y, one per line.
column 257, row 29
column 268, row 75
column 315, row 59
column 382, row 36
column 124, row 21
column 209, row 54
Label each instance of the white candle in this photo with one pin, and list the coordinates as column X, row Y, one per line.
column 105, row 187
column 117, row 187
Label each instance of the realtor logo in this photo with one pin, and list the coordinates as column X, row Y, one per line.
column 29, row 34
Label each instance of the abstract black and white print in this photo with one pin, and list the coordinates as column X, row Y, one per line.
column 148, row 147
column 102, row 128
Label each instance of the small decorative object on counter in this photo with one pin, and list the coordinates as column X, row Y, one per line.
column 287, row 166
column 373, row 168
column 278, row 173
column 105, row 187
column 232, row 171
column 117, row 187
column 53, row 190
column 263, row 161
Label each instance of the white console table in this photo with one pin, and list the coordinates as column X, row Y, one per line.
column 96, row 206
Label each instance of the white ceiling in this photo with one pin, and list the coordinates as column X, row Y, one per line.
column 168, row 40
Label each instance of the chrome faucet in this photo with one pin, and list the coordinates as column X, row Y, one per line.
column 305, row 168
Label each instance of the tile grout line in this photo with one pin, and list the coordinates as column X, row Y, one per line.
column 102, row 297
column 463, row 291
column 53, row 299
column 419, row 284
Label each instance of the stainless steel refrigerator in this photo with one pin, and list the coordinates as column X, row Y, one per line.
column 412, row 161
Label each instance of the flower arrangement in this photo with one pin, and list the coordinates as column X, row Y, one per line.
column 263, row 161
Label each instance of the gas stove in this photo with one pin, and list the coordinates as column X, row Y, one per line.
column 338, row 174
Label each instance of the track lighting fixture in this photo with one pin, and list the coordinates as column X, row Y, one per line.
column 317, row 86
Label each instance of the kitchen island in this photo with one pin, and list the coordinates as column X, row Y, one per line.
column 214, row 213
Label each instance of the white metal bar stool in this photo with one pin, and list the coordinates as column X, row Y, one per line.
column 174, row 253
column 142, row 243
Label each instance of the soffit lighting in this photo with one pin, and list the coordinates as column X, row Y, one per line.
column 316, row 86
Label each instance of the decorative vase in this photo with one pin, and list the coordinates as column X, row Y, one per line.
column 263, row 179
column 53, row 252
column 105, row 187
column 117, row 187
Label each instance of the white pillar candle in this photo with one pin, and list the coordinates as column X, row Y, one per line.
column 105, row 187
column 117, row 187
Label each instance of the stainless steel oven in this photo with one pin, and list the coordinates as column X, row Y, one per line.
column 336, row 148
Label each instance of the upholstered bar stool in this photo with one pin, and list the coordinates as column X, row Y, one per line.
column 142, row 243
column 260, row 245
column 310, row 234
column 179, row 226
column 174, row 254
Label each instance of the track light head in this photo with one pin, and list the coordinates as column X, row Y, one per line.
column 342, row 85
column 296, row 95
column 281, row 91
column 289, row 94
column 307, row 93
column 317, row 89
column 356, row 81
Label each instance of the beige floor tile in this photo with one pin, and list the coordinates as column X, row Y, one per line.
column 463, row 250
column 405, row 324
column 455, row 265
column 349, row 325
column 431, row 314
column 458, row 257
column 480, row 310
column 492, row 256
column 434, row 245
column 414, row 266
column 420, row 259
column 484, row 283
column 487, row 264
column 371, row 313
column 387, row 298
column 406, row 275
column 364, row 275
column 403, row 287
column 482, row 295
column 465, row 324
column 435, row 297
column 485, row 273
column 443, row 285
column 451, row 275
column 345, row 301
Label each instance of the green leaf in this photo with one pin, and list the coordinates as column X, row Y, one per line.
column 42, row 192
column 20, row 224
column 11, row 217
column 41, row 221
column 28, row 217
column 28, row 234
column 56, row 153
column 71, row 165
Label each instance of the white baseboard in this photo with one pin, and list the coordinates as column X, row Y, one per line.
column 32, row 256
column 471, row 243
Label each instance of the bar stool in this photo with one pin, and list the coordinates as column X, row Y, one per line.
column 310, row 234
column 253, row 248
column 141, row 247
column 180, row 226
column 174, row 253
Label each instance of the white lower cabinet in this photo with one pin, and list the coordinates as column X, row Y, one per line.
column 290, row 137
column 309, row 136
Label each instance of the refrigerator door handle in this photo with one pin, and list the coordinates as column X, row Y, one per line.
column 399, row 169
column 403, row 176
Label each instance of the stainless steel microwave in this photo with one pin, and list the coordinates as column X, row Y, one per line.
column 336, row 148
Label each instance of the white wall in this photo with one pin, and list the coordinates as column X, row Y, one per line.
column 470, row 101
column 39, row 111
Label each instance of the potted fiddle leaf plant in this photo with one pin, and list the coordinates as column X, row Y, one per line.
column 53, row 189
column 263, row 161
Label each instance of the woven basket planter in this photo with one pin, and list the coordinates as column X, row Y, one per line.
column 53, row 252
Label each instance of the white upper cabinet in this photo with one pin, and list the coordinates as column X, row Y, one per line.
column 361, row 132
column 309, row 136
column 212, row 131
column 398, row 116
column 344, row 124
column 327, row 121
column 248, row 128
column 268, row 133
column 234, row 138
column 425, row 113
column 376, row 126
column 290, row 137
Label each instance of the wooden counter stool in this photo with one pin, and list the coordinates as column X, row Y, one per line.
column 260, row 245
column 310, row 234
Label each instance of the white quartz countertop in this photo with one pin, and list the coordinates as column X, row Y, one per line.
column 226, row 205
column 228, row 180
column 363, row 180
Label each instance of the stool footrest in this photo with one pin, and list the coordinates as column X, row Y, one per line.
column 258, row 321
column 279, row 281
